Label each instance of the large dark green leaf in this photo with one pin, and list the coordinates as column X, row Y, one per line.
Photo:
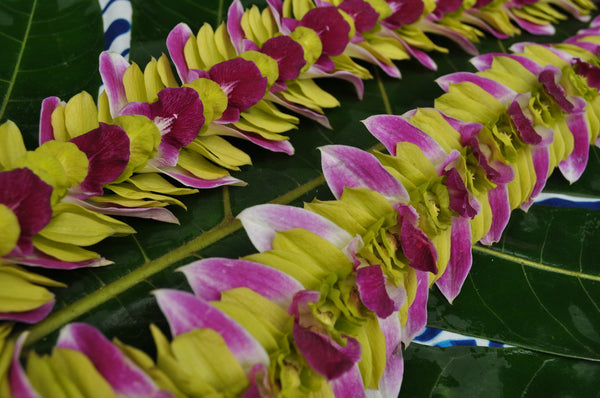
column 539, row 285
column 495, row 372
column 48, row 48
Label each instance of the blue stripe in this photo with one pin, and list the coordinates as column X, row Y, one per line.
column 116, row 28
column 108, row 5
column 428, row 334
column 557, row 202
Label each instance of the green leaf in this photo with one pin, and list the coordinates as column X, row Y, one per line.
column 48, row 48
column 117, row 298
column 494, row 372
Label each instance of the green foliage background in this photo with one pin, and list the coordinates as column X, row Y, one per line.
column 538, row 289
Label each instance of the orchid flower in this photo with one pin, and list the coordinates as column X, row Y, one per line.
column 42, row 229
column 77, row 366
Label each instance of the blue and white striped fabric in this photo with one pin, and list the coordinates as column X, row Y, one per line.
column 116, row 15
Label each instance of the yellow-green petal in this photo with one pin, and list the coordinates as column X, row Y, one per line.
column 12, row 146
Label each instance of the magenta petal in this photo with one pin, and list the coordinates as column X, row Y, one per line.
column 288, row 53
column 331, row 27
column 375, row 294
column 364, row 15
column 365, row 54
column 496, row 171
column 404, row 12
column 497, row 90
column 317, row 117
column 355, row 80
column 234, row 24
column 186, row 312
column 107, row 149
column 589, row 71
column 548, row 77
column 349, row 384
column 46, row 130
column 120, row 372
column 322, row 353
column 541, row 163
column 179, row 115
column 20, row 387
column 31, row 316
column 461, row 259
column 261, row 222
column 523, row 123
column 417, row 312
column 242, row 82
column 467, row 130
column 500, row 205
column 28, row 197
column 112, row 69
column 176, row 40
column 417, row 246
column 391, row 129
column 209, row 277
column 348, row 166
column 136, row 108
column 461, row 200
column 573, row 167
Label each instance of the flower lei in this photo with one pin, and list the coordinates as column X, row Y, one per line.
column 331, row 322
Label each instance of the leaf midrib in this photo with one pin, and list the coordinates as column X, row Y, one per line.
column 535, row 264
column 19, row 59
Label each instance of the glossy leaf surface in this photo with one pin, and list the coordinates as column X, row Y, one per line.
column 539, row 288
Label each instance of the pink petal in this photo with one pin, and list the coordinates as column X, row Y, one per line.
column 120, row 372
column 390, row 382
column 355, row 80
column 190, row 180
column 153, row 213
column 20, row 387
column 209, row 277
column 28, row 197
column 541, row 163
column 363, row 53
column 317, row 117
column 498, row 198
column 31, row 316
column 461, row 259
column 261, row 222
column 175, row 44
column 461, row 200
column 417, row 312
column 497, row 90
column 574, row 166
column 112, row 69
column 378, row 296
column 234, row 24
column 107, row 149
column 523, row 123
column 349, row 384
column 484, row 62
column 185, row 313
column 46, row 130
column 391, row 129
column 39, row 259
column 533, row 28
column 347, row 166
